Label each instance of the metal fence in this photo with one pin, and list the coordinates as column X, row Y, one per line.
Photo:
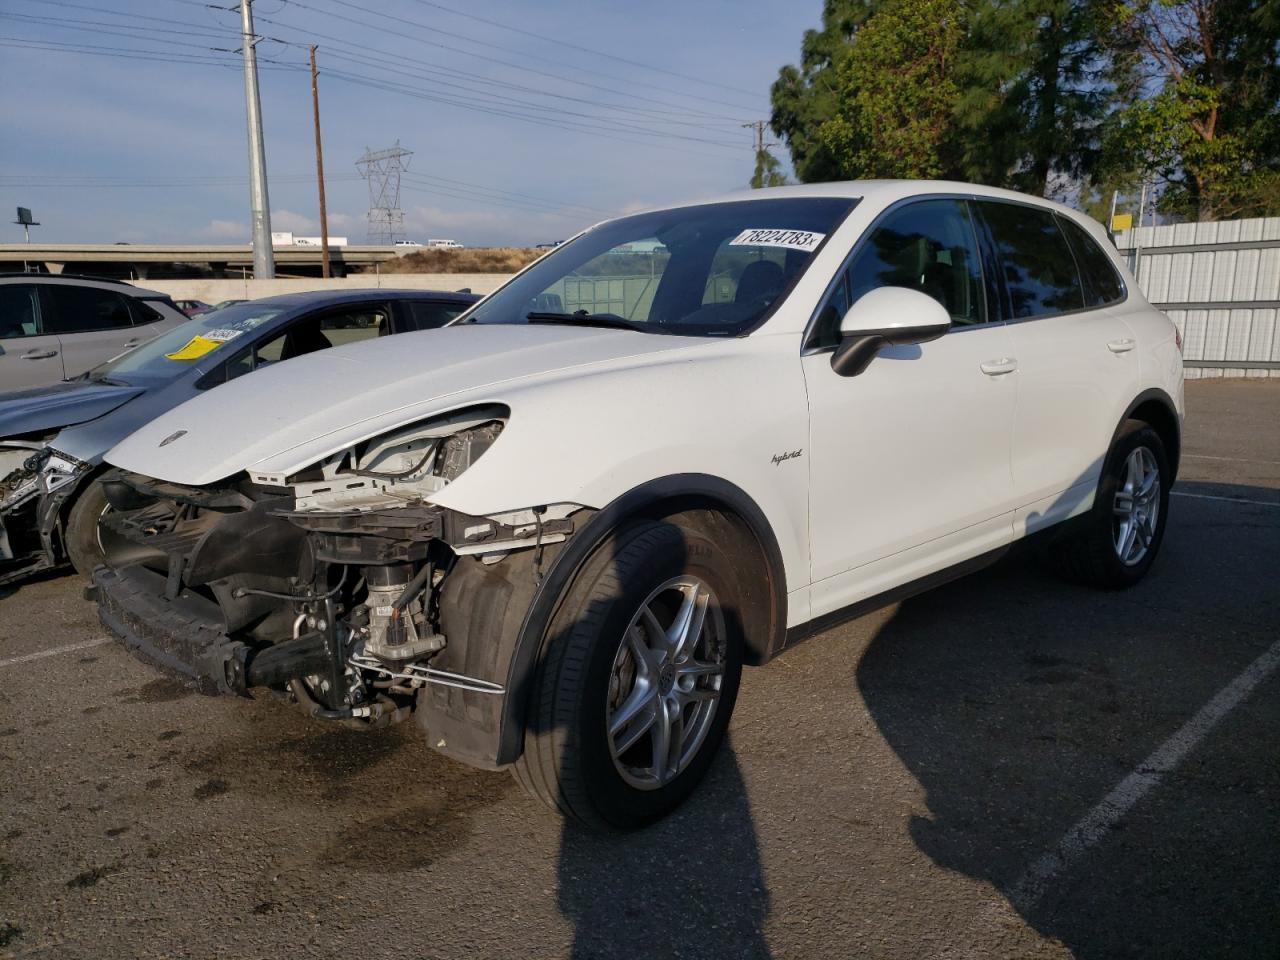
column 1220, row 283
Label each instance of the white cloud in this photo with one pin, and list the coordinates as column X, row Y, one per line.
column 228, row 231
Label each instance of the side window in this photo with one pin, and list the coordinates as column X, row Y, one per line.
column 362, row 321
column 84, row 309
column 1039, row 271
column 19, row 311
column 144, row 313
column 928, row 246
column 429, row 314
column 1102, row 284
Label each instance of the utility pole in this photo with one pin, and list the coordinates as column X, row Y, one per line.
column 264, row 260
column 758, row 126
column 324, row 216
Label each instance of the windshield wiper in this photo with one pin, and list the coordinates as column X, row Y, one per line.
column 581, row 317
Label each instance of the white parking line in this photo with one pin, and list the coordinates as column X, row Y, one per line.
column 1205, row 496
column 1205, row 456
column 69, row 648
column 1102, row 819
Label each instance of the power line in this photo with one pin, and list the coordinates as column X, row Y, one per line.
column 592, row 124
column 574, row 46
column 702, row 117
column 506, row 63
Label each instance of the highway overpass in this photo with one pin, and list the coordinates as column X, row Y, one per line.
column 151, row 261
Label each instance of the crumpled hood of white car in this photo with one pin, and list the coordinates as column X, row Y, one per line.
column 293, row 414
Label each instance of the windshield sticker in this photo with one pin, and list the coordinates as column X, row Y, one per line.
column 197, row 347
column 790, row 239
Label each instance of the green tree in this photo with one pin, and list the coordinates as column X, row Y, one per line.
column 768, row 171
column 803, row 96
column 896, row 93
column 1204, row 118
column 1033, row 91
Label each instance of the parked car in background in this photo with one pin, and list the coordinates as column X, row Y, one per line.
column 54, row 437
column 227, row 303
column 55, row 327
column 553, row 537
column 193, row 307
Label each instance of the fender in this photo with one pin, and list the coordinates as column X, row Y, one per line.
column 681, row 491
column 1174, row 422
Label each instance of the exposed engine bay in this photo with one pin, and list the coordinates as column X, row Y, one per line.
column 341, row 587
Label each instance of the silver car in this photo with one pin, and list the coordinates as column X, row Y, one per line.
column 57, row 327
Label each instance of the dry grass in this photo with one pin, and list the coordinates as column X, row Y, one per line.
column 478, row 260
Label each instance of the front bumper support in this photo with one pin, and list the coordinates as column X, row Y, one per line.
column 184, row 637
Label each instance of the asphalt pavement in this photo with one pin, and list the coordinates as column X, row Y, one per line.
column 1009, row 766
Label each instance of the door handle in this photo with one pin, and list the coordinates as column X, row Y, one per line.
column 39, row 354
column 132, row 343
column 996, row 368
column 1121, row 346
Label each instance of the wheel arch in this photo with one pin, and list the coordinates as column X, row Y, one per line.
column 713, row 506
column 1156, row 408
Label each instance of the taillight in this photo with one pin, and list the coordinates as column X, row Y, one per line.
column 1177, row 338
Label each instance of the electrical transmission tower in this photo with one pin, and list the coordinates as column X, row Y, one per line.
column 382, row 168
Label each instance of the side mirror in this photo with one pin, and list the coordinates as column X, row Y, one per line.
column 884, row 317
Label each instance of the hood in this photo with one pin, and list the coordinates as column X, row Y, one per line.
column 290, row 415
column 59, row 405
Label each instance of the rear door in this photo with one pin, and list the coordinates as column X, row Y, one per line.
column 29, row 355
column 94, row 325
column 1076, row 369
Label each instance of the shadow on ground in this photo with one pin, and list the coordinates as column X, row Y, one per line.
column 1019, row 702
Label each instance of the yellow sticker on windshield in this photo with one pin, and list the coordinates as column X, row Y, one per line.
column 195, row 348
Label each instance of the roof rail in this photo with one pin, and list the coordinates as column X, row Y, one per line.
column 65, row 276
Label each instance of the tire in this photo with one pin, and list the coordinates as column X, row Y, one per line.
column 1092, row 553
column 84, row 547
column 583, row 684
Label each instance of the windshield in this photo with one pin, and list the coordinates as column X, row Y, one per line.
column 709, row 270
column 177, row 351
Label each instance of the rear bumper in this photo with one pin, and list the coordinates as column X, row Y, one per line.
column 183, row 637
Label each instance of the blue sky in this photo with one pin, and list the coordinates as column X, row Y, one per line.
column 592, row 133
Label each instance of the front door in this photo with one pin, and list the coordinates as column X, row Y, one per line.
column 910, row 460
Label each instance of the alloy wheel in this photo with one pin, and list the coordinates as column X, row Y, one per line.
column 1136, row 507
column 665, row 683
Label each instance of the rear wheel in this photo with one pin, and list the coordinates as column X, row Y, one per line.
column 633, row 697
column 1117, row 542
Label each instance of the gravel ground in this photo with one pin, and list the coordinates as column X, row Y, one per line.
column 888, row 785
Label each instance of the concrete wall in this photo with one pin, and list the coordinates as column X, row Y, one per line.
column 213, row 291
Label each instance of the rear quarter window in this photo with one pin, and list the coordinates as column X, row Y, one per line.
column 1102, row 284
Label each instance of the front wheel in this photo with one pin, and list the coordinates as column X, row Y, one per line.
column 640, row 675
column 1117, row 541
column 83, row 538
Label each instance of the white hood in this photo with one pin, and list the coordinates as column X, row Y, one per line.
column 291, row 415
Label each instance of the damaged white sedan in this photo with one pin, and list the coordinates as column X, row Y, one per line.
column 554, row 531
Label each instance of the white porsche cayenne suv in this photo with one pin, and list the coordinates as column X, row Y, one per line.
column 553, row 532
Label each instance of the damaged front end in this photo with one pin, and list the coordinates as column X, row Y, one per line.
column 35, row 480
column 341, row 586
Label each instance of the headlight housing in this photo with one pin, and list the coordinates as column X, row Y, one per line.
column 403, row 465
